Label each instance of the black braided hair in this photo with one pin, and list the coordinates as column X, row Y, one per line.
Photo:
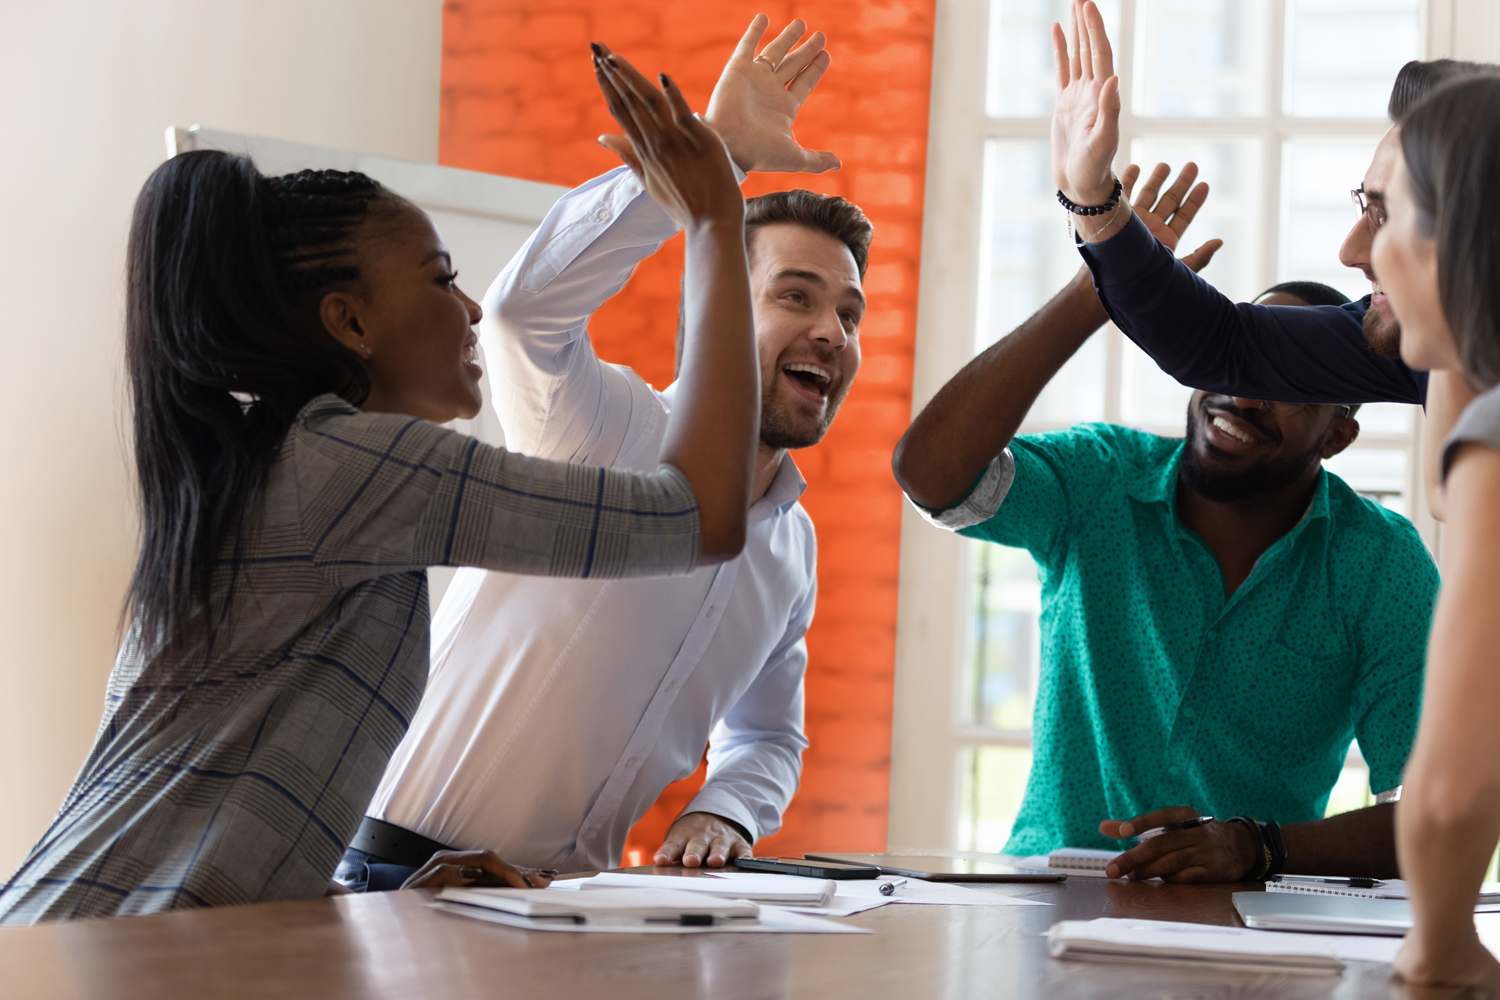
column 310, row 220
column 222, row 353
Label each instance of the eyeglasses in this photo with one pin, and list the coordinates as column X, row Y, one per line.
column 1373, row 212
column 1288, row 409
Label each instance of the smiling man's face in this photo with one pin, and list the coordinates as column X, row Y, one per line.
column 808, row 305
column 1237, row 448
column 1382, row 331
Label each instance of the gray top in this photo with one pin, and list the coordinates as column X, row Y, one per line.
column 1479, row 423
column 234, row 765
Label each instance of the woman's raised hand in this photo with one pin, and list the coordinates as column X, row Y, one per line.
column 680, row 161
column 1086, row 117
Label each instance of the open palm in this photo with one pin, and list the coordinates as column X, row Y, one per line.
column 757, row 99
column 1086, row 118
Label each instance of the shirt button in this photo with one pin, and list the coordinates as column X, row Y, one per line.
column 1213, row 633
column 630, row 762
column 603, row 215
column 1190, row 711
column 671, row 685
column 1174, row 770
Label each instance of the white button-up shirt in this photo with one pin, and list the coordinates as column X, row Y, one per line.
column 558, row 710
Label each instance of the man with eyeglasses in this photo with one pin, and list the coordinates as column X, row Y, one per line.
column 1220, row 615
column 1195, row 333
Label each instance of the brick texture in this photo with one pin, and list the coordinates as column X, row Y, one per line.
column 519, row 98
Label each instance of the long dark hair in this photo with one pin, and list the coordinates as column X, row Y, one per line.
column 220, row 355
column 1451, row 141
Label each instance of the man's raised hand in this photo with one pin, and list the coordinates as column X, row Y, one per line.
column 681, row 161
column 1086, row 118
column 1168, row 215
column 758, row 96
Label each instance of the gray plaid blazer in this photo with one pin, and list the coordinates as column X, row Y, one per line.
column 233, row 764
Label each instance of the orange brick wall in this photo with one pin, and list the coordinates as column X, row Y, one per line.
column 519, row 98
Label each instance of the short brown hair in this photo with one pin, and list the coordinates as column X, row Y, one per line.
column 1417, row 79
column 823, row 213
column 1451, row 141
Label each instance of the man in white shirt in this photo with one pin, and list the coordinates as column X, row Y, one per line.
column 557, row 711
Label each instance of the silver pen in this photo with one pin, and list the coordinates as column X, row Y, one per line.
column 891, row 888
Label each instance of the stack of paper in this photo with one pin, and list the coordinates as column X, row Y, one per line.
column 1198, row 945
column 625, row 906
column 629, row 911
column 762, row 887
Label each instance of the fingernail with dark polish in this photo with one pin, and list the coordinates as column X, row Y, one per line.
column 662, row 79
column 527, row 880
column 598, row 52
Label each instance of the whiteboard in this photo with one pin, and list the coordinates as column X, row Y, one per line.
column 483, row 218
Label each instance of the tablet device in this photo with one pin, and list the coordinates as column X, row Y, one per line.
column 943, row 869
column 807, row 867
column 1297, row 911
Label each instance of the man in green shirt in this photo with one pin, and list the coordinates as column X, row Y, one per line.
column 1220, row 615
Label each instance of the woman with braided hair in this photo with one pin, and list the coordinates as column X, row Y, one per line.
column 292, row 345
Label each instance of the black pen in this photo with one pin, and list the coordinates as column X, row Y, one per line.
column 1354, row 882
column 1186, row 824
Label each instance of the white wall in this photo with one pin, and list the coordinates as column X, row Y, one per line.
column 86, row 89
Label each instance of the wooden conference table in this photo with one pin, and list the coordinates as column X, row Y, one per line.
column 393, row 945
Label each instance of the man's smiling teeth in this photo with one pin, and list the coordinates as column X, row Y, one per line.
column 1228, row 428
column 821, row 374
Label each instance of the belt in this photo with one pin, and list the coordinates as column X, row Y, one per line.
column 395, row 845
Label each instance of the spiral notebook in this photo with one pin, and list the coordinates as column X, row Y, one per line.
column 1489, row 892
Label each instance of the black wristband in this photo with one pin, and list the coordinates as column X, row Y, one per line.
column 1277, row 847
column 1262, row 867
column 1114, row 199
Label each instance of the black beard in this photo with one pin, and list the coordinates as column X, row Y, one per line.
column 1240, row 484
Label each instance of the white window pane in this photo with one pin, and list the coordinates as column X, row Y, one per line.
column 1317, row 210
column 1200, row 58
column 1004, row 639
column 1022, row 81
column 1232, row 168
column 992, row 782
column 1378, row 473
column 1385, row 418
column 1342, row 55
column 1150, row 398
column 1025, row 257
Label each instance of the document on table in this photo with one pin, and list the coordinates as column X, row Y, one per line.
column 761, row 887
column 630, row 911
column 1209, row 946
column 1074, row 862
column 1489, row 892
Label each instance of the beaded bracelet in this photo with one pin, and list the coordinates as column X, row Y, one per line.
column 1114, row 199
column 1263, row 857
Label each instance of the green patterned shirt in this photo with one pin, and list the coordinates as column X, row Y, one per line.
column 1158, row 691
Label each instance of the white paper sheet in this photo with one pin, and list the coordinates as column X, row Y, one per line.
column 919, row 891
column 763, row 887
column 773, row 920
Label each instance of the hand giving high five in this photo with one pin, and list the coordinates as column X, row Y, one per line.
column 1086, row 118
column 757, row 99
column 680, row 161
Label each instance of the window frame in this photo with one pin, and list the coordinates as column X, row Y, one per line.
column 936, row 599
